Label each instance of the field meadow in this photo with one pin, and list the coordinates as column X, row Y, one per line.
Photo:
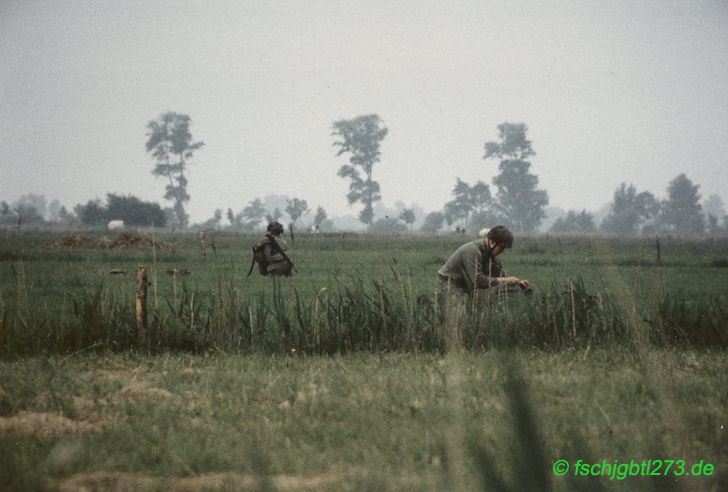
column 346, row 376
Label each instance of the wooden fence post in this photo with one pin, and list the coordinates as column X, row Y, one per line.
column 203, row 249
column 657, row 243
column 141, row 305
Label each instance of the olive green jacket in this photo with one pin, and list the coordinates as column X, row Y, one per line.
column 471, row 266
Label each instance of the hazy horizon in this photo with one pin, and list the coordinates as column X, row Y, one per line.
column 611, row 93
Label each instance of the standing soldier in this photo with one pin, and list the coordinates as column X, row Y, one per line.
column 270, row 253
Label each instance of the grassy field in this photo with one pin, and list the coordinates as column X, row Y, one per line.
column 468, row 421
column 355, row 292
column 341, row 377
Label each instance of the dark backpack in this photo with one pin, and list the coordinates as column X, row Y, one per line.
column 259, row 258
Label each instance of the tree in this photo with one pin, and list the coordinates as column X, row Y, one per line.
column 296, row 208
column 433, row 222
column 320, row 216
column 407, row 216
column 230, row 216
column 133, row 211
column 361, row 137
column 574, row 223
column 54, row 210
column 93, row 213
column 32, row 201
column 714, row 211
column 170, row 143
column 630, row 212
column 254, row 212
column 681, row 212
column 274, row 216
column 519, row 201
column 130, row 209
column 28, row 214
column 214, row 221
column 7, row 215
column 388, row 225
column 65, row 216
column 468, row 200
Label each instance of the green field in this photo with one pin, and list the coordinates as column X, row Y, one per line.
column 356, row 292
column 341, row 377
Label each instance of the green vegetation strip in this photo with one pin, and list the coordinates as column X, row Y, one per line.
column 367, row 421
column 356, row 293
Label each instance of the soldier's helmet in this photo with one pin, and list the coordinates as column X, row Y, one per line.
column 275, row 228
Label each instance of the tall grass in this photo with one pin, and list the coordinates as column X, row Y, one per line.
column 348, row 317
column 357, row 293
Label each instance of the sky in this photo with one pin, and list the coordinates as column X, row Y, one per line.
column 611, row 92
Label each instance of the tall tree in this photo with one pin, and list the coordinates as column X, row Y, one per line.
column 7, row 215
column 470, row 200
column 519, row 201
column 170, row 143
column 54, row 209
column 681, row 212
column 407, row 216
column 274, row 216
column 32, row 201
column 254, row 212
column 360, row 137
column 296, row 208
column 320, row 216
column 714, row 206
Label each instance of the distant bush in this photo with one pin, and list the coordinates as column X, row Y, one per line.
column 574, row 223
column 130, row 209
column 388, row 225
column 433, row 222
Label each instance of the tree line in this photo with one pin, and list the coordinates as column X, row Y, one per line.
column 516, row 202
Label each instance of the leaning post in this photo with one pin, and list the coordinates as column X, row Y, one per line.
column 203, row 250
column 141, row 305
column 657, row 244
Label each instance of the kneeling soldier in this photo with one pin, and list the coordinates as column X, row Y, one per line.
column 474, row 266
column 270, row 253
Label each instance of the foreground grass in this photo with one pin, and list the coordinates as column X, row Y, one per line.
column 365, row 421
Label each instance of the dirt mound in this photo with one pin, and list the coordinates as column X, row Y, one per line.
column 44, row 424
column 125, row 240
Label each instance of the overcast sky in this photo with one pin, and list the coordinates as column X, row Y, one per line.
column 633, row 91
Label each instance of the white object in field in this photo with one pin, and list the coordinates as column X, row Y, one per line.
column 115, row 224
column 483, row 232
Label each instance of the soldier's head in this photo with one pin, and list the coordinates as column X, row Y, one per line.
column 498, row 239
column 275, row 228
